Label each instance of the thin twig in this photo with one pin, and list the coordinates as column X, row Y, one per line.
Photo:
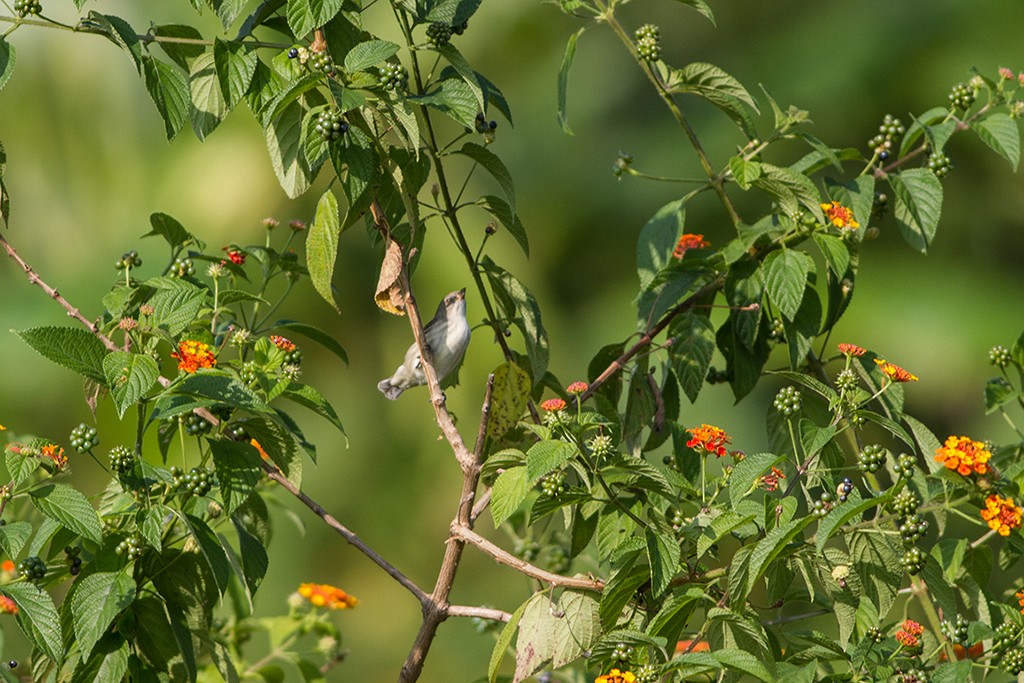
column 478, row 613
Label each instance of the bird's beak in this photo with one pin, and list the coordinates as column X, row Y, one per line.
column 461, row 294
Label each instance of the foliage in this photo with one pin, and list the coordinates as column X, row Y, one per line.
column 660, row 554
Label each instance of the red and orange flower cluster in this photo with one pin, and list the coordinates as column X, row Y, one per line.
column 193, row 355
column 770, row 481
column 7, row 606
column 1020, row 600
column 1002, row 514
column 852, row 350
column 282, row 343
column 839, row 215
column 577, row 387
column 909, row 634
column 54, row 453
column 894, row 372
column 325, row 595
column 616, row 676
column 237, row 257
column 709, row 439
column 553, row 405
column 687, row 242
column 962, row 454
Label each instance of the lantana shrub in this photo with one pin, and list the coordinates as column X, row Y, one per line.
column 857, row 545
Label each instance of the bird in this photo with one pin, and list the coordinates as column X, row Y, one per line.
column 446, row 335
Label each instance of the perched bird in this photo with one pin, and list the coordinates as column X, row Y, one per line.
column 447, row 337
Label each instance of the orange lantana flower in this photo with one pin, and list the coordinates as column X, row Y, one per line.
column 7, row 606
column 851, row 350
column 895, row 372
column 282, row 343
column 709, row 439
column 193, row 355
column 687, row 242
column 54, row 453
column 770, row 481
column 616, row 676
column 325, row 595
column 839, row 215
column 577, row 387
column 1002, row 514
column 553, row 404
column 1020, row 600
column 962, row 454
column 910, row 633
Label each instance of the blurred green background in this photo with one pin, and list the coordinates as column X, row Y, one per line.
column 88, row 164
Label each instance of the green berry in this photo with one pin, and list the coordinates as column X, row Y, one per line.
column 962, row 96
column 622, row 652
column 906, row 503
column 846, row 381
column 330, row 125
column 956, row 631
column 1006, row 635
column 439, row 34
column 553, row 484
column 1013, row 661
column 874, row 634
column 648, row 673
column 647, row 31
column 195, row 425
column 84, row 438
column 122, row 460
column 133, row 547
column 1000, row 356
column 871, row 458
column 321, row 61
column 913, row 528
column 526, row 549
column 393, row 76
column 913, row 561
column 939, row 164
column 777, row 330
column 24, row 8
column 128, row 260
column 787, row 401
column 558, row 560
column 198, row 481
column 906, row 465
column 879, row 204
column 183, row 267
column 648, row 49
column 248, row 372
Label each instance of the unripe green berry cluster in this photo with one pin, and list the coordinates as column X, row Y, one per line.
column 962, row 96
column 648, row 673
column 248, row 372
column 956, row 631
column 777, row 330
column 912, row 528
column 558, row 560
column 128, row 260
column 622, row 652
column 846, row 381
column 195, row 425
column 72, row 559
column 787, row 401
column 32, row 568
column 912, row 676
column 999, row 355
column 322, row 62
column 527, row 550
column 1006, row 635
column 183, row 267
column 676, row 519
column 23, row 8
column 823, row 505
column 198, row 481
column 913, row 561
column 600, row 445
column 939, row 164
column 553, row 485
column 84, row 438
column 906, row 465
column 439, row 34
column 879, row 204
column 330, row 125
column 647, row 45
column 874, row 634
column 891, row 129
column 122, row 460
column 132, row 547
column 236, row 432
column 393, row 76
column 871, row 458
column 906, row 503
column 1013, row 661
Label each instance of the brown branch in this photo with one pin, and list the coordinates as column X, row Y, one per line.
column 276, row 475
column 479, row 613
column 504, row 557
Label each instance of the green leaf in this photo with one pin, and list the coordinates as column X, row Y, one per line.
column 657, row 240
column 151, row 524
column 520, row 307
column 785, row 277
column 235, row 64
column 889, row 425
column 842, row 514
column 221, row 387
column 170, row 229
column 284, row 143
column 254, row 557
column 563, row 81
column 238, row 471
column 535, row 644
column 452, row 12
column 501, row 210
column 920, row 125
column 365, row 55
column 508, row 493
column 503, row 641
column 692, row 351
column 509, row 397
column 97, row 599
column 108, row 663
column 14, row 536
column 181, row 53
column 577, row 627
column 316, row 334
column 803, row 328
column 926, row 441
column 322, row 246
column 835, row 251
column 547, row 456
column 130, row 376
column 307, row 396
column 215, row 556
column 999, row 392
column 453, row 98
column 69, row 347
column 279, row 445
column 663, row 554
column 701, row 7
column 117, row 31
column 208, row 104
column 918, row 205
column 37, row 617
column 998, row 131
column 746, row 662
column 717, row 87
column 360, row 164
column 719, row 527
column 306, row 15
column 746, row 472
column 69, row 508
column 8, row 58
column 493, row 165
column 465, row 71
column 744, row 171
column 769, row 548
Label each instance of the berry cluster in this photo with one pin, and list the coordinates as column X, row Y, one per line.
column 874, row 634
column 527, row 550
column 483, row 125
column 1013, row 661
column 122, row 460
column 128, row 260
column 322, row 62
column 439, row 34
column 622, row 652
column 132, row 547
column 71, row 557
column 962, row 96
column 236, row 432
column 248, row 372
column 647, row 45
column 293, row 53
column 393, row 76
column 823, row 505
column 600, row 445
column 956, row 631
column 1000, row 356
column 777, row 330
column 906, row 464
column 84, row 438
column 195, row 425
column 912, row 528
column 32, row 568
column 912, row 676
column 844, row 489
column 553, row 485
column 558, row 560
column 330, row 125
column 871, row 458
column 939, row 164
column 913, row 561
column 198, row 481
column 879, row 204
column 23, row 8
column 676, row 519
column 890, row 130
column 648, row 673
column 183, row 267
column 846, row 381
column 787, row 401
column 1006, row 635
column 905, row 503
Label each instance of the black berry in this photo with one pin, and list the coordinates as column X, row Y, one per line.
column 439, row 34
column 293, row 53
column 32, row 568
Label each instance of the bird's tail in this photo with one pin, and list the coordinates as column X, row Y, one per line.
column 388, row 389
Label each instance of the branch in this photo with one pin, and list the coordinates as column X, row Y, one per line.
column 275, row 474
column 479, row 613
column 504, row 557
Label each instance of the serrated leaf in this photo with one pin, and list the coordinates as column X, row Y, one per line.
column 520, row 307
column 70, row 508
column 657, row 240
column 37, row 617
column 117, row 31
column 322, row 246
column 508, row 493
column 493, row 165
column 999, row 392
column 746, row 472
column 706, row 80
column 223, row 388
column 563, row 80
column 918, row 205
column 238, row 471
column 130, row 376
column 744, row 171
column 841, row 514
column 151, row 525
column 890, row 426
column 235, row 64
column 170, row 229
column 306, row 15
column 8, row 58
column 307, row 396
column 453, row 98
column 365, row 55
column 13, row 537
column 168, row 88
column 465, row 71
column 785, row 277
column 208, row 104
column 719, row 527
column 181, row 53
column 284, row 143
column 547, row 456
column 501, row 210
column 452, row 12
column 1001, row 133
column 692, row 351
column 835, row 251
column 254, row 557
column 746, row 662
column 97, row 599
column 577, row 627
column 920, row 124
column 69, row 347
column 509, row 397
column 663, row 554
column 176, row 308
column 108, row 663
column 212, row 551
column 503, row 641
column 769, row 548
column 316, row 334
